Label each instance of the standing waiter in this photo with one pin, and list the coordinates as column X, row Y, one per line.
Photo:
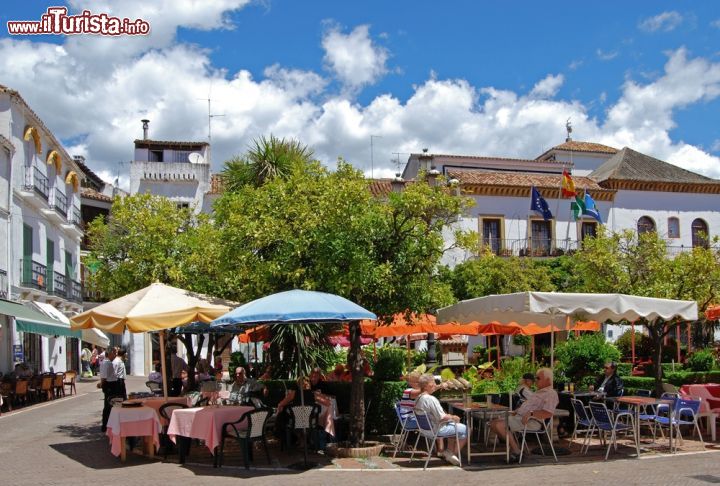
column 120, row 373
column 108, row 383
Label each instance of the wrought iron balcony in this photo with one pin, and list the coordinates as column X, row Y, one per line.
column 76, row 291
column 33, row 274
column 3, row 284
column 59, row 284
column 530, row 247
column 58, row 201
column 36, row 181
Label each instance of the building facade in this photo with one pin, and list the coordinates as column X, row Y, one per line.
column 40, row 230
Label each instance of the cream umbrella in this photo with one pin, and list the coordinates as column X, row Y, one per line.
column 153, row 308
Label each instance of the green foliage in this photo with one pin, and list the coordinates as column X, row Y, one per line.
column 330, row 357
column 584, row 355
column 380, row 398
column 635, row 382
column 390, row 364
column 478, row 348
column 701, row 360
column 643, row 345
column 521, row 340
column 303, row 346
column 506, row 379
column 446, row 374
column 417, row 357
column 236, row 359
column 489, row 274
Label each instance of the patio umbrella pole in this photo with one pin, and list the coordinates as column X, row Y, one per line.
column 162, row 364
column 632, row 342
column 552, row 350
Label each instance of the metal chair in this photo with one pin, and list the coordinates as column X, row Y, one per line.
column 407, row 424
column 684, row 412
column 254, row 431
column 603, row 421
column 431, row 434
column 544, row 429
column 583, row 418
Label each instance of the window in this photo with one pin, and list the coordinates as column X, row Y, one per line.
column 645, row 224
column 183, row 205
column 700, row 233
column 155, row 156
column 540, row 237
column 673, row 228
column 588, row 229
column 491, row 234
column 609, row 334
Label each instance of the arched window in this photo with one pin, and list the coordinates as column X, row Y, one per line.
column 645, row 224
column 700, row 233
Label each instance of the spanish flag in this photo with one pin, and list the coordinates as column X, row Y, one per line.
column 568, row 186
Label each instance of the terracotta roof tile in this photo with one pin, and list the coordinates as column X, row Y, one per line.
column 488, row 178
column 629, row 165
column 381, row 187
column 487, row 157
column 577, row 146
column 93, row 194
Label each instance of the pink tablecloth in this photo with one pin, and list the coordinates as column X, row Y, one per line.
column 204, row 423
column 132, row 422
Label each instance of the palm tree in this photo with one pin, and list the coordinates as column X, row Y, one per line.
column 266, row 159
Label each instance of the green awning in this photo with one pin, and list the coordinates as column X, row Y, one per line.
column 30, row 320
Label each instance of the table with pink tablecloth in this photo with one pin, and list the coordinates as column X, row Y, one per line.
column 204, row 423
column 132, row 422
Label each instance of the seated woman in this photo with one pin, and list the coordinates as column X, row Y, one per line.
column 294, row 398
column 431, row 407
column 202, row 369
column 156, row 376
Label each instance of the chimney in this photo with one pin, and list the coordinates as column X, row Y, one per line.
column 145, row 123
column 79, row 158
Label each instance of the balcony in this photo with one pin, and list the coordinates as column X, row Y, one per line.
column 59, row 284
column 32, row 274
column 74, row 224
column 529, row 247
column 58, row 206
column 75, row 292
column 35, row 187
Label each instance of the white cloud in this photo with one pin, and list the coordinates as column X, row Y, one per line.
column 354, row 58
column 606, row 55
column 664, row 22
column 575, row 64
column 715, row 23
column 548, row 87
column 715, row 145
column 100, row 108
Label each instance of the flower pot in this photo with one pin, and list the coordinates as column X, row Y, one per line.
column 370, row 449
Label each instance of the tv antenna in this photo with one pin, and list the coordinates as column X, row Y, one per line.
column 210, row 114
column 396, row 160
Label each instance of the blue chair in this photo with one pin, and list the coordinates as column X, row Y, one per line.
column 544, row 429
column 685, row 412
column 583, row 423
column 603, row 421
column 407, row 424
column 431, row 433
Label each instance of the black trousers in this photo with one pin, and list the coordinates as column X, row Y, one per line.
column 122, row 391
column 111, row 389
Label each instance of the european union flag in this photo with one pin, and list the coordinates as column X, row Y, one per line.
column 539, row 205
column 591, row 209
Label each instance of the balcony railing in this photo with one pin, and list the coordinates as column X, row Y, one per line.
column 32, row 274
column 58, row 201
column 74, row 217
column 3, row 284
column 59, row 285
column 531, row 247
column 36, row 181
column 76, row 291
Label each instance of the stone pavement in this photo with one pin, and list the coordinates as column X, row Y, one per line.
column 59, row 442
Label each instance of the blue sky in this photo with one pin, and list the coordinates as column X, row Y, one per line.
column 487, row 78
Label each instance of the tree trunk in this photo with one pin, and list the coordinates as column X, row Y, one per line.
column 193, row 355
column 657, row 335
column 357, row 390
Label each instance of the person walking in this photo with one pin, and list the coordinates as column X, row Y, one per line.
column 109, row 384
column 120, row 372
column 85, row 357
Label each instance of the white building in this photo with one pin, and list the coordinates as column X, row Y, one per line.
column 179, row 171
column 40, row 234
column 631, row 190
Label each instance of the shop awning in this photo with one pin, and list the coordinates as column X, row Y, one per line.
column 30, row 320
column 92, row 336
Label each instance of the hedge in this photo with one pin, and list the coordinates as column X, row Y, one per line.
column 677, row 378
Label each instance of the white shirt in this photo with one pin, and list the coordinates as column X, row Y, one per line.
column 107, row 371
column 431, row 406
column 119, row 368
column 155, row 376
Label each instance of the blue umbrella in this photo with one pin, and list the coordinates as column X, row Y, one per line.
column 294, row 306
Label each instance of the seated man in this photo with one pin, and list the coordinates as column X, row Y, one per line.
column 156, row 376
column 244, row 388
column 431, row 407
column 540, row 405
column 609, row 383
